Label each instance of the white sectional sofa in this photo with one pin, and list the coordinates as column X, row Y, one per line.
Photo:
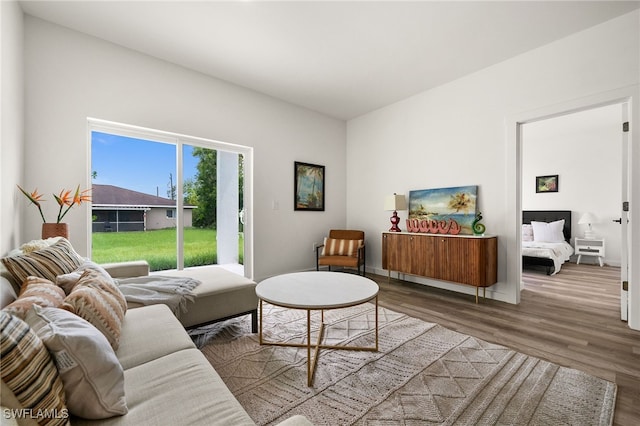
column 167, row 380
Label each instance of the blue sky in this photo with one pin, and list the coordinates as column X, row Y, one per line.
column 137, row 164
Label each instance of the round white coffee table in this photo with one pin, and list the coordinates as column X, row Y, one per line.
column 317, row 291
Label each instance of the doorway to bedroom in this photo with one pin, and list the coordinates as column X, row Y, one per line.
column 580, row 155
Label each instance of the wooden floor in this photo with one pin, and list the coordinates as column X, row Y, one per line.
column 571, row 319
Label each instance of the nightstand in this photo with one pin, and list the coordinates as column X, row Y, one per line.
column 590, row 247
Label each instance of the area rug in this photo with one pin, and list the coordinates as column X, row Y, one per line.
column 423, row 374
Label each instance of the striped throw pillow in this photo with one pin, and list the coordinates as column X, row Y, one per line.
column 98, row 300
column 336, row 247
column 47, row 263
column 35, row 291
column 27, row 369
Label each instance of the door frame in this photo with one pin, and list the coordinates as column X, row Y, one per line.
column 513, row 123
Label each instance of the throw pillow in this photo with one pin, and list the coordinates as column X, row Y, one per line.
column 336, row 247
column 35, row 291
column 99, row 301
column 548, row 232
column 35, row 245
column 27, row 369
column 49, row 262
column 527, row 232
column 68, row 281
column 91, row 373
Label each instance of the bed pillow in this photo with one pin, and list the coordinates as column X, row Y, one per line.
column 527, row 232
column 91, row 373
column 548, row 232
column 29, row 372
column 99, row 301
column 336, row 247
column 35, row 291
column 49, row 262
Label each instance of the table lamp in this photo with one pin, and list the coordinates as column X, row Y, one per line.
column 395, row 202
column 588, row 219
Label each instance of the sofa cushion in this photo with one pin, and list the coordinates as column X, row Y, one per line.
column 239, row 294
column 7, row 293
column 36, row 291
column 49, row 262
column 181, row 388
column 28, row 371
column 338, row 247
column 99, row 301
column 148, row 333
column 92, row 376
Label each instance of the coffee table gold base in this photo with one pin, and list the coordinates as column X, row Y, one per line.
column 311, row 365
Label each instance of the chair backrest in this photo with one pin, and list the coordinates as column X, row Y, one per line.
column 346, row 234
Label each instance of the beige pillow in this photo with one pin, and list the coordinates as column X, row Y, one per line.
column 91, row 373
column 68, row 281
column 48, row 263
column 99, row 301
column 35, row 291
column 27, row 369
column 336, row 247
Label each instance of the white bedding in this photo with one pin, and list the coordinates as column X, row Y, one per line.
column 559, row 252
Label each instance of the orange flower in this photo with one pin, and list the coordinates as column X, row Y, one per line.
column 35, row 198
column 63, row 199
column 80, row 197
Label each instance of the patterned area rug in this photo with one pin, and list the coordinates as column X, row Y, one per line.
column 422, row 374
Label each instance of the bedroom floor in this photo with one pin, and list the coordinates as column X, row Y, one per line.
column 571, row 318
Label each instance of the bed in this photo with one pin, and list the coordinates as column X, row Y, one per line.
column 549, row 252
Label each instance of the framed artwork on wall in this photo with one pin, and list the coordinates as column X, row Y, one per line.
column 437, row 205
column 308, row 187
column 547, row 183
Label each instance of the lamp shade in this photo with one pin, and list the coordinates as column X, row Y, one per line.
column 587, row 219
column 395, row 202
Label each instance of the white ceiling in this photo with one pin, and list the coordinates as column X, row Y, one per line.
column 340, row 58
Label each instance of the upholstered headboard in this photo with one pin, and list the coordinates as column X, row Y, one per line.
column 550, row 216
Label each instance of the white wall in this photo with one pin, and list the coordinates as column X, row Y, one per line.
column 455, row 134
column 12, row 122
column 585, row 150
column 71, row 76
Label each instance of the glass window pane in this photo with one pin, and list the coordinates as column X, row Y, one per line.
column 133, row 186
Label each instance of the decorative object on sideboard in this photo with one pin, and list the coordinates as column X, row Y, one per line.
column 309, row 187
column 587, row 219
column 443, row 210
column 547, row 183
column 65, row 202
column 478, row 228
column 450, row 227
column 394, row 203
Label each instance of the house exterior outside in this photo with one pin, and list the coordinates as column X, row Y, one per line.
column 116, row 209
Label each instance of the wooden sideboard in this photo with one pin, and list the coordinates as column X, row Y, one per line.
column 461, row 259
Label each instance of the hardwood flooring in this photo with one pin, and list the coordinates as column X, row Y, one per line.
column 571, row 319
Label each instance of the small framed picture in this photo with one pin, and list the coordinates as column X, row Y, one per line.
column 309, row 187
column 547, row 183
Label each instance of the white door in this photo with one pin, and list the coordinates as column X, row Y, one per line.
column 624, row 252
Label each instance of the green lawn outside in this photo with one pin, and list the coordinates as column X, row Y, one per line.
column 158, row 247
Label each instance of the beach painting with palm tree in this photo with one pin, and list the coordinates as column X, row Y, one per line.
column 309, row 187
column 457, row 203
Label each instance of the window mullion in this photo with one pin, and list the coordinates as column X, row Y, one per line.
column 179, row 205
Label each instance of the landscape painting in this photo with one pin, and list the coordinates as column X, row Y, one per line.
column 441, row 204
